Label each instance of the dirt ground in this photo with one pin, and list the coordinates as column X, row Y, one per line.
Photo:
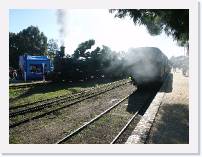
column 171, row 125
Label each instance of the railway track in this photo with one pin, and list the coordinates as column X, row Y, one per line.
column 24, row 115
column 89, row 122
column 113, row 140
column 28, row 85
column 113, row 125
column 124, row 129
column 51, row 100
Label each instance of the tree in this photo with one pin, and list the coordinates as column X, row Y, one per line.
column 32, row 41
column 174, row 22
column 80, row 51
column 52, row 48
column 13, row 51
column 29, row 40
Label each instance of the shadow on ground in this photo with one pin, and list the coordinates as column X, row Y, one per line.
column 171, row 129
column 142, row 97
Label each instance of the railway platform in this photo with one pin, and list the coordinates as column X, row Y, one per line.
column 167, row 119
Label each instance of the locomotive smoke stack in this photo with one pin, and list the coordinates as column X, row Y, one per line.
column 62, row 49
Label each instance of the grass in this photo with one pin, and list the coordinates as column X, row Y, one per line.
column 21, row 96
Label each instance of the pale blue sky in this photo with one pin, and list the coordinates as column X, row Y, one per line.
column 44, row 19
column 82, row 25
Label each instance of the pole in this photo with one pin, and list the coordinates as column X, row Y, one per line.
column 25, row 76
column 43, row 65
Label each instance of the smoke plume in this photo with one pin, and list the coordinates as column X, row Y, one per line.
column 143, row 62
column 61, row 20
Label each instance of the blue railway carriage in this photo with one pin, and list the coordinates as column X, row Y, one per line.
column 34, row 67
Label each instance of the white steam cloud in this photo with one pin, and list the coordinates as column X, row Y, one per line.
column 143, row 62
column 61, row 20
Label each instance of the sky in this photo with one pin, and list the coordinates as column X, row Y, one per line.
column 98, row 24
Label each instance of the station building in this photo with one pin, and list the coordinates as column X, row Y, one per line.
column 34, row 67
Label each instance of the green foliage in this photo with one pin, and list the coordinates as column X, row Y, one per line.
column 52, row 48
column 29, row 40
column 80, row 51
column 174, row 22
column 13, row 50
column 32, row 41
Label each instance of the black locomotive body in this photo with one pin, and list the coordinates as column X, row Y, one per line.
column 147, row 65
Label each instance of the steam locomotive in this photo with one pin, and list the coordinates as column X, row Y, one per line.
column 147, row 65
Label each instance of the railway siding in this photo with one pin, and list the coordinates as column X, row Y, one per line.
column 17, row 118
column 60, row 124
column 49, row 129
column 25, row 85
column 115, row 126
column 57, row 92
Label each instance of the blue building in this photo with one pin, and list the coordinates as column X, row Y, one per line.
column 34, row 67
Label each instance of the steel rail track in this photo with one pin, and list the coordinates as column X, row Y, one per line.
column 64, row 96
column 41, row 106
column 124, row 128
column 54, row 110
column 90, row 122
column 28, row 85
column 127, row 124
column 60, row 100
column 45, row 100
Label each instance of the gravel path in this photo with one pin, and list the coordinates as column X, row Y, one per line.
column 51, row 128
